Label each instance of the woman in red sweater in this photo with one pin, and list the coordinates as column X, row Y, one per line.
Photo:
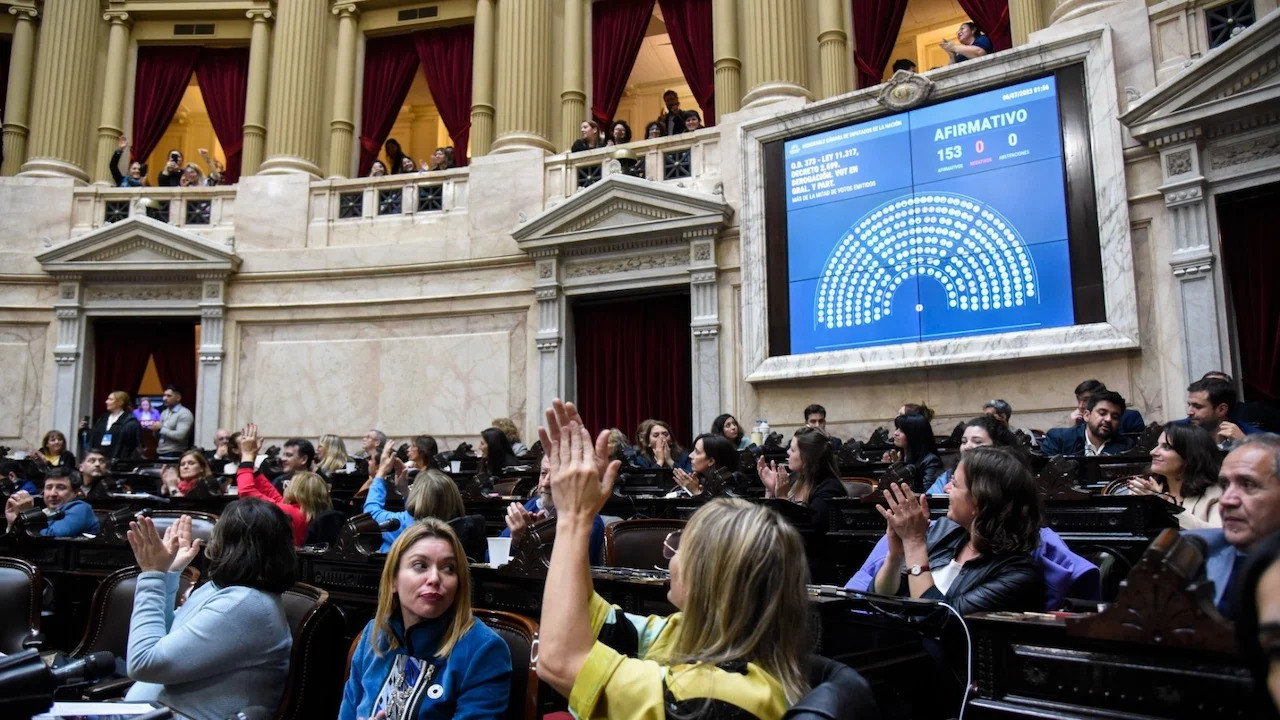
column 305, row 497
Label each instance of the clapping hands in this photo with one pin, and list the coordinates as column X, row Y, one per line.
column 777, row 481
column 172, row 553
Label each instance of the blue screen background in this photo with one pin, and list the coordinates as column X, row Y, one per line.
column 927, row 225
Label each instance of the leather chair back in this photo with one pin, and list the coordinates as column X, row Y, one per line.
column 638, row 543
column 314, row 686
column 470, row 532
column 521, row 635
column 201, row 523
column 112, row 609
column 20, row 590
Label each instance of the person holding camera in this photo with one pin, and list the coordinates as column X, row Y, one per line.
column 171, row 175
column 61, row 493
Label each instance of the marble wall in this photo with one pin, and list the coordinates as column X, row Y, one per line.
column 24, row 360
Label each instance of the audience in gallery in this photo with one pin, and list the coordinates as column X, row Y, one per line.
column 1211, row 404
column 982, row 431
column 227, row 648
column 692, row 120
column 377, row 169
column 137, row 173
column 979, row 557
column 971, row 42
column 1097, row 435
column 395, row 156
column 508, row 428
column 424, row 654
column 177, row 174
column 811, row 459
column 914, row 445
column 13, row 478
column 61, row 494
column 306, row 494
column 653, row 130
column 1184, row 471
column 714, row 462
column 591, row 137
column 672, row 118
column 619, row 133
column 331, row 454
column 656, row 448
column 431, row 494
column 407, row 166
column 192, row 470
column 1131, row 422
column 144, row 413
column 174, row 427
column 53, row 452
column 117, row 433
column 904, row 64
column 1250, row 510
column 495, row 452
column 1258, row 624
column 729, row 428
column 441, row 159
column 422, row 450
column 543, row 506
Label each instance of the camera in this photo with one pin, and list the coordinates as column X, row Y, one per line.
column 174, row 156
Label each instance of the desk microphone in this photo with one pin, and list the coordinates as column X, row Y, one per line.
column 27, row 685
column 127, row 515
column 89, row 668
column 391, row 525
column 40, row 516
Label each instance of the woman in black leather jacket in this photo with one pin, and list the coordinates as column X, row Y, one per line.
column 979, row 556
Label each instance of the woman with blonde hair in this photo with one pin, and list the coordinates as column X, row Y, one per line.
column 333, row 454
column 117, row 433
column 424, row 655
column 304, row 498
column 432, row 494
column 751, row 655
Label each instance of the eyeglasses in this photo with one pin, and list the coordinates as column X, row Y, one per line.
column 671, row 545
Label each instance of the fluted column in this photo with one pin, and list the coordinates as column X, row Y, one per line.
column 1072, row 9
column 573, row 98
column 1024, row 18
column 255, row 101
column 833, row 49
column 775, row 50
column 111, row 126
column 17, row 103
column 294, row 110
column 60, row 106
column 342, row 125
column 524, row 77
column 728, row 79
column 482, row 80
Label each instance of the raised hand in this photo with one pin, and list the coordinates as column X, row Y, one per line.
column 559, row 415
column 576, row 481
column 387, row 464
column 250, row 443
column 122, row 142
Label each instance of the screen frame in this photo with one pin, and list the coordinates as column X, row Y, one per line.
column 1098, row 152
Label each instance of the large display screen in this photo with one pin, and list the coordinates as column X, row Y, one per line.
column 949, row 220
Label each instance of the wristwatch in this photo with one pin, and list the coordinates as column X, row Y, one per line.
column 919, row 569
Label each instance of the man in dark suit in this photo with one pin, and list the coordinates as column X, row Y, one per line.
column 1097, row 435
column 1211, row 404
column 672, row 118
column 1130, row 423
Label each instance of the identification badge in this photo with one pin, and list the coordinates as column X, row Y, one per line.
column 106, row 440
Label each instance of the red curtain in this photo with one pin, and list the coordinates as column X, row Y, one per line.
column 689, row 26
column 120, row 357
column 174, row 347
column 223, row 75
column 633, row 363
column 992, row 16
column 875, row 30
column 617, row 30
column 389, row 65
column 446, row 56
column 1250, row 255
column 163, row 75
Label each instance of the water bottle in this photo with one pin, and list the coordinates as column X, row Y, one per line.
column 757, row 438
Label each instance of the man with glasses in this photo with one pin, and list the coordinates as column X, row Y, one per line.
column 542, row 507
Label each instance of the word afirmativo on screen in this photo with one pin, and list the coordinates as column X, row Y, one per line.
column 946, row 221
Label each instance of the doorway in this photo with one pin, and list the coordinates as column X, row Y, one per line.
column 632, row 354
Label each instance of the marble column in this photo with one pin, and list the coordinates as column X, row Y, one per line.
column 524, row 75
column 728, row 78
column 342, row 124
column 255, row 102
column 1192, row 259
column 111, row 126
column 62, row 90
column 482, row 80
column 1072, row 9
column 1025, row 18
column 18, row 99
column 209, row 381
column 549, row 336
column 294, row 110
column 833, row 49
column 773, row 33
column 68, row 354
column 704, row 326
column 573, row 98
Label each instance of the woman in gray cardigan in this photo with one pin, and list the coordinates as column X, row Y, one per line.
column 227, row 648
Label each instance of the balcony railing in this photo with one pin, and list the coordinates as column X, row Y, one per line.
column 691, row 159
column 196, row 209
column 389, row 198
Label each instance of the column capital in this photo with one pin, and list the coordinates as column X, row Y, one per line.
column 346, row 9
column 260, row 14
column 24, row 12
column 116, row 17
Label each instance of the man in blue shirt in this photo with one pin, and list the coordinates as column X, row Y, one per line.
column 1250, row 508
column 1211, row 404
column 60, row 493
column 14, row 476
column 541, row 507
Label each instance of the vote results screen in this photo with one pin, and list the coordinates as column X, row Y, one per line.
column 945, row 221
